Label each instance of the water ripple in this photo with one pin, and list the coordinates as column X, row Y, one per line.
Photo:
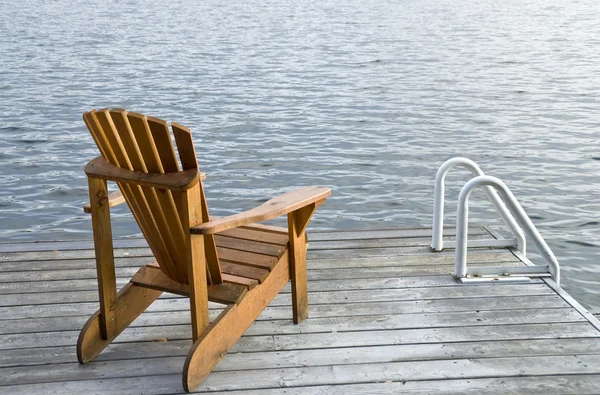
column 368, row 97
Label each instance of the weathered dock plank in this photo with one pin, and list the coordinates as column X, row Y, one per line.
column 320, row 297
column 325, row 310
column 385, row 317
column 131, row 243
column 164, row 384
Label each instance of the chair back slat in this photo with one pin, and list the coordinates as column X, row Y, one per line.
column 164, row 144
column 91, row 122
column 119, row 117
column 185, row 146
column 187, row 156
column 113, row 139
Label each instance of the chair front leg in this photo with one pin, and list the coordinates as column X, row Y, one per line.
column 198, row 287
column 117, row 310
column 297, row 222
column 196, row 262
column 105, row 261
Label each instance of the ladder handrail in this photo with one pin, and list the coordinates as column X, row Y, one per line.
column 514, row 206
column 437, row 241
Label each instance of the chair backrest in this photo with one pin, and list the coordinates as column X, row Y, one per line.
column 135, row 142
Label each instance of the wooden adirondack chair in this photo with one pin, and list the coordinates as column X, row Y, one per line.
column 229, row 260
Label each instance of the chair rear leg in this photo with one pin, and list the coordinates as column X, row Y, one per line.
column 130, row 303
column 197, row 285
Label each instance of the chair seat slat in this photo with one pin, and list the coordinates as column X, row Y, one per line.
column 152, row 277
column 187, row 155
column 257, row 235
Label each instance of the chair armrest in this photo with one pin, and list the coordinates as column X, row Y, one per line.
column 273, row 208
column 174, row 181
column 114, row 199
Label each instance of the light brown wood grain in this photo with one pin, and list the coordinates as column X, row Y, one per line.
column 247, row 258
column 185, row 146
column 170, row 206
column 180, row 181
column 297, row 222
column 94, row 127
column 233, row 279
column 152, row 277
column 114, row 199
column 164, row 145
column 267, row 228
column 257, row 235
column 187, row 155
column 165, row 211
column 130, row 303
column 195, row 260
column 140, row 207
column 271, row 209
column 244, row 271
column 211, row 347
column 105, row 261
column 249, row 246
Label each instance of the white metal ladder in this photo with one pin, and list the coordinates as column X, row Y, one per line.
column 505, row 203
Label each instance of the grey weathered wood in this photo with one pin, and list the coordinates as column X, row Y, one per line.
column 382, row 307
column 483, row 256
column 568, row 384
column 70, row 264
column 355, row 373
column 315, row 284
column 323, row 340
column 376, row 252
column 273, row 360
column 335, row 310
column 325, row 297
column 405, row 371
column 70, row 254
column 595, row 322
column 298, row 358
column 375, row 321
column 332, row 235
column 167, row 384
column 45, row 246
column 418, row 243
column 313, row 274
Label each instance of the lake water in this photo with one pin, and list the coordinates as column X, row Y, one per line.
column 366, row 96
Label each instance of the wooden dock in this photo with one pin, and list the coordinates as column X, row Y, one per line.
column 386, row 317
